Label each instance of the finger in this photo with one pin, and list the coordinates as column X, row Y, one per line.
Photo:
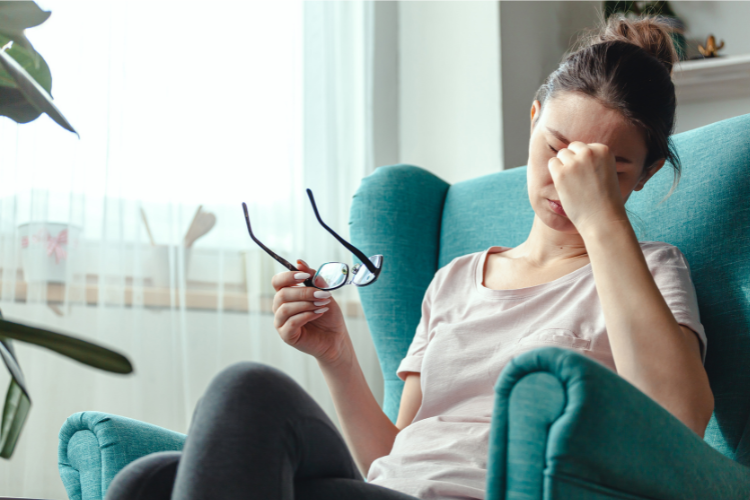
column 302, row 266
column 555, row 166
column 320, row 282
column 289, row 317
column 290, row 330
column 579, row 148
column 564, row 153
column 298, row 294
column 288, row 278
column 555, row 162
column 289, row 309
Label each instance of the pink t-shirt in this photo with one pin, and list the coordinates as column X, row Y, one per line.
column 466, row 336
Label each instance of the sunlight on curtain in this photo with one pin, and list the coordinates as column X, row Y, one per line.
column 178, row 106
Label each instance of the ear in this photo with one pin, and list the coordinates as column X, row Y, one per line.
column 655, row 167
column 536, row 108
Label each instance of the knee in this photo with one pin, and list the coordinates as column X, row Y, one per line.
column 249, row 379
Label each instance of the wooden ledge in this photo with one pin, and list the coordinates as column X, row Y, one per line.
column 197, row 296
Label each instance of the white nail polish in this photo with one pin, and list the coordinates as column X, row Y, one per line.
column 321, row 303
column 301, row 276
column 320, row 294
column 321, row 311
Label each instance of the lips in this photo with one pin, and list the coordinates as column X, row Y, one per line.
column 556, row 206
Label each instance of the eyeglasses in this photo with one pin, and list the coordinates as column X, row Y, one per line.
column 331, row 275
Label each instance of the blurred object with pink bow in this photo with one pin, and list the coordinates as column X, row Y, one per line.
column 44, row 250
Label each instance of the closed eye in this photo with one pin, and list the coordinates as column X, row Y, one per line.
column 553, row 149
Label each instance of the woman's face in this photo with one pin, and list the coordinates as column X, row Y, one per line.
column 574, row 117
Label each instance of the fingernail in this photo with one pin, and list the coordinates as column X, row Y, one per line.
column 321, row 303
column 301, row 276
column 300, row 261
column 321, row 311
column 321, row 294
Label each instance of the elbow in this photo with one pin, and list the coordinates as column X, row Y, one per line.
column 702, row 415
column 708, row 412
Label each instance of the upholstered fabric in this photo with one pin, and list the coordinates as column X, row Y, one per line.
column 552, row 437
column 95, row 446
column 396, row 212
column 707, row 217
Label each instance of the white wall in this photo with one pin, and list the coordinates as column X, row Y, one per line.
column 728, row 22
column 534, row 37
column 465, row 99
column 449, row 88
column 385, row 107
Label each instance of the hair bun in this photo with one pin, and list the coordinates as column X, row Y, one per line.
column 651, row 33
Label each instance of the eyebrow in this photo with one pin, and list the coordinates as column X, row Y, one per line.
column 563, row 139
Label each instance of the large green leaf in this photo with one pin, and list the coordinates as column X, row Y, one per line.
column 80, row 350
column 14, row 105
column 17, row 401
column 13, row 102
column 32, row 91
column 15, row 412
column 16, row 16
column 29, row 60
column 9, row 358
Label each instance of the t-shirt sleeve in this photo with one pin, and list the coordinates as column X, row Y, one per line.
column 413, row 360
column 671, row 272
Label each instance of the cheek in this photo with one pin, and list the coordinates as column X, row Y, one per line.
column 539, row 174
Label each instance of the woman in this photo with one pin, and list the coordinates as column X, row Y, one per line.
column 600, row 127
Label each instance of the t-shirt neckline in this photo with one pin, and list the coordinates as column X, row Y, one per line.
column 519, row 292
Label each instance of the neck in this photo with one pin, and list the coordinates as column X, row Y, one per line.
column 546, row 246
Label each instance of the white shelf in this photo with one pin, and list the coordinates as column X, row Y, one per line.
column 714, row 78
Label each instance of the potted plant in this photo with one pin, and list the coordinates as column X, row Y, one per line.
column 25, row 93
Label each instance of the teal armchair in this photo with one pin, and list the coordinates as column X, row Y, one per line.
column 563, row 427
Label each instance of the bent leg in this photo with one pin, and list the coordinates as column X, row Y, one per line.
column 148, row 478
column 334, row 488
column 253, row 434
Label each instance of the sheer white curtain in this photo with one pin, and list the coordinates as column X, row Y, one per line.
column 178, row 105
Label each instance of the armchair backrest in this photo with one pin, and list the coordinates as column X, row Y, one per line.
column 420, row 223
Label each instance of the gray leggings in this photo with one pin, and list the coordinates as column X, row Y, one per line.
column 255, row 433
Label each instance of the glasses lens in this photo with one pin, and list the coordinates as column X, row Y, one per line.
column 364, row 276
column 331, row 275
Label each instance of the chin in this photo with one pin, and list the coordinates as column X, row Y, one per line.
column 557, row 222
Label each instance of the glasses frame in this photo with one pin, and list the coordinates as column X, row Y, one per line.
column 350, row 273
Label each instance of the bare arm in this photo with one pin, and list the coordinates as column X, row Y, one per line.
column 368, row 432
column 651, row 350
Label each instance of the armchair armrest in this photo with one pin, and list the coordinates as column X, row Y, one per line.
column 95, row 446
column 565, row 426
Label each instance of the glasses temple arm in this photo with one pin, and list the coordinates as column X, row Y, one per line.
column 362, row 257
column 268, row 250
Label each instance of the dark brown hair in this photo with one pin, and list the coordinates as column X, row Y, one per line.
column 626, row 65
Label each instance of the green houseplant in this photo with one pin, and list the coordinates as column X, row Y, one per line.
column 25, row 86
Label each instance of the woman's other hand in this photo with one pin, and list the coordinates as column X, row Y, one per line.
column 309, row 323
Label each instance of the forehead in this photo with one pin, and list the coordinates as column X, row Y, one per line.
column 582, row 118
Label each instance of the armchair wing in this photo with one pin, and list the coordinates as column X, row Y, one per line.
column 397, row 212
column 95, row 446
column 566, row 427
